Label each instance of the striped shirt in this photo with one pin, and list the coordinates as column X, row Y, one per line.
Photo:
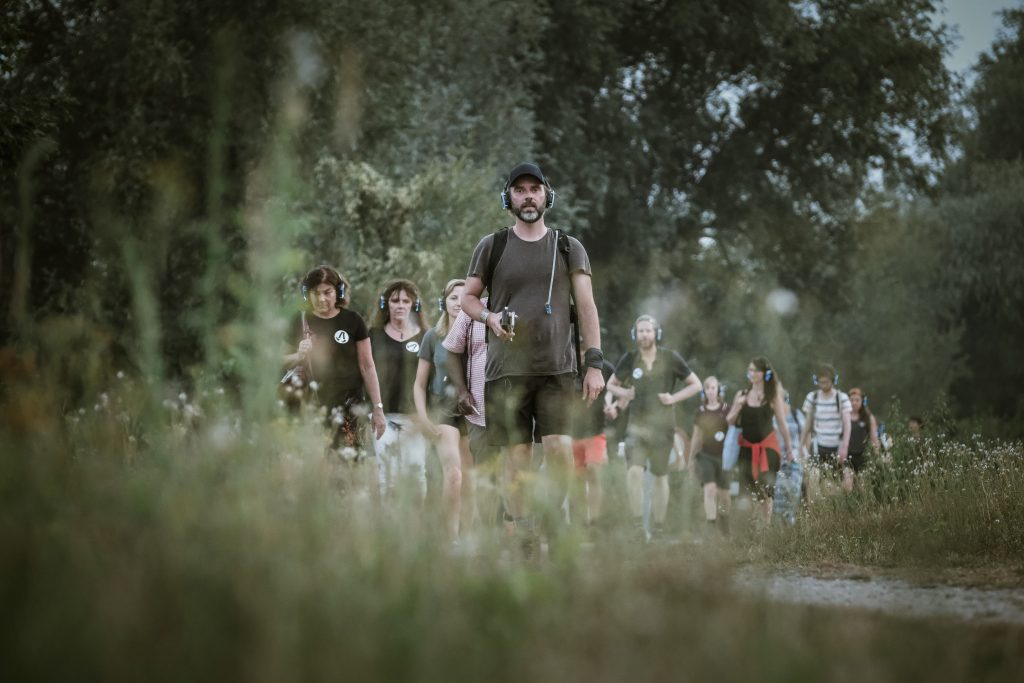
column 467, row 332
column 827, row 415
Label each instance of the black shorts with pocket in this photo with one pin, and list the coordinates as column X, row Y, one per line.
column 520, row 407
column 710, row 470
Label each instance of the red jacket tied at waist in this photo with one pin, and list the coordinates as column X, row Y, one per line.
column 759, row 452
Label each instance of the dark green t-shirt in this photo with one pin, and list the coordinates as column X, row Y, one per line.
column 666, row 372
column 543, row 344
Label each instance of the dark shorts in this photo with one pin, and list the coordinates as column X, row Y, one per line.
column 826, row 458
column 457, row 421
column 764, row 487
column 520, row 407
column 710, row 470
column 652, row 447
column 858, row 461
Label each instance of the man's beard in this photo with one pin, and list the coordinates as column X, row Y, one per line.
column 529, row 213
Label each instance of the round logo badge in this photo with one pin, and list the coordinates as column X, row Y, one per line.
column 413, row 347
column 719, row 436
column 341, row 336
column 638, row 373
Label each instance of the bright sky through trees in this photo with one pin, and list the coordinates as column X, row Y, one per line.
column 977, row 24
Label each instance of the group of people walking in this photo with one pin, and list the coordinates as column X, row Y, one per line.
column 502, row 377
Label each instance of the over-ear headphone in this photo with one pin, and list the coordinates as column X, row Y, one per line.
column 341, row 284
column 721, row 392
column 768, row 374
column 549, row 198
column 416, row 307
column 835, row 379
column 506, row 200
column 449, row 287
column 646, row 319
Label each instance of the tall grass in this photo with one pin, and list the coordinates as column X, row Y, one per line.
column 934, row 502
column 203, row 545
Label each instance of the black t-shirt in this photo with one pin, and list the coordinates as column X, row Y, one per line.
column 396, row 369
column 588, row 421
column 713, row 427
column 668, row 370
column 334, row 359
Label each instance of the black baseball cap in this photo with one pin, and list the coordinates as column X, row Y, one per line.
column 525, row 168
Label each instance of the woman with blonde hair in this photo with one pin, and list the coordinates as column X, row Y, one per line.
column 709, row 429
column 438, row 416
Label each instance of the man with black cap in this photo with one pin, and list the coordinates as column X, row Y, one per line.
column 532, row 274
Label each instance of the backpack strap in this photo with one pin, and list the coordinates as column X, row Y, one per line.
column 562, row 245
column 814, row 409
column 499, row 240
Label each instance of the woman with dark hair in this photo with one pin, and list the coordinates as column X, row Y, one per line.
column 397, row 334
column 709, row 429
column 435, row 398
column 334, row 350
column 752, row 410
column 863, row 432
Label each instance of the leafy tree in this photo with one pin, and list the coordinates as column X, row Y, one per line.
column 982, row 213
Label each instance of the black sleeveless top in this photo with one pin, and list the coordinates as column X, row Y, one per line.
column 858, row 435
column 756, row 422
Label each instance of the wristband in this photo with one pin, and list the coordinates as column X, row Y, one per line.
column 484, row 315
column 593, row 358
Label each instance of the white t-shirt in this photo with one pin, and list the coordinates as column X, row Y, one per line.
column 828, row 416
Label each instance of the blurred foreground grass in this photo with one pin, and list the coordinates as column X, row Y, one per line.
column 195, row 545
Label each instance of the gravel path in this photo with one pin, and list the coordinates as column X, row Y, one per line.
column 892, row 596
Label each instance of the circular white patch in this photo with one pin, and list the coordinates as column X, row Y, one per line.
column 341, row 336
column 719, row 436
column 638, row 373
column 413, row 347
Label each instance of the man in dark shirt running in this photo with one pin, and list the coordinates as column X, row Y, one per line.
column 645, row 381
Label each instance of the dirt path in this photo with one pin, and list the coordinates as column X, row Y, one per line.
column 889, row 595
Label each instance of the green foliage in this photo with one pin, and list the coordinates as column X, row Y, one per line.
column 998, row 96
column 375, row 228
column 711, row 157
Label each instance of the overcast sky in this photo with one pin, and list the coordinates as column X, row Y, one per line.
column 977, row 23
